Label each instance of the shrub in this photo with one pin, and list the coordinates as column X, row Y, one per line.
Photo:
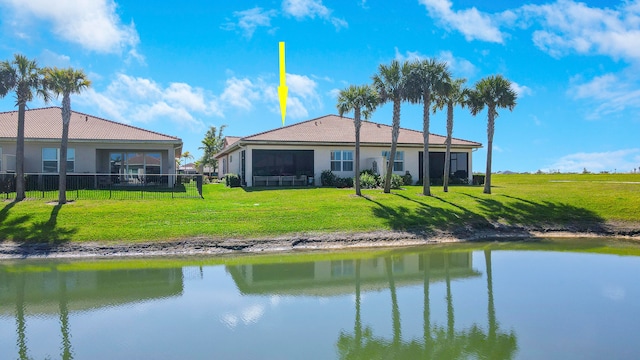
column 369, row 181
column 396, row 181
column 232, row 180
column 327, row 178
column 407, row 179
column 343, row 182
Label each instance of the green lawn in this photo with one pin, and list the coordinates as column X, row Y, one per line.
column 581, row 202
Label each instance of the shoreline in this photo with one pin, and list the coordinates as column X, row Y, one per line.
column 305, row 242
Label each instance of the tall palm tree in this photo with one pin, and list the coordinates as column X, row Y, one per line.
column 390, row 82
column 361, row 100
column 24, row 77
column 493, row 92
column 454, row 94
column 65, row 82
column 427, row 78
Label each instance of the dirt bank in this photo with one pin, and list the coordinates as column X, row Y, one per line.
column 207, row 246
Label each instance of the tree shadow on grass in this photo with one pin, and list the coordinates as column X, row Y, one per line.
column 518, row 216
column 21, row 230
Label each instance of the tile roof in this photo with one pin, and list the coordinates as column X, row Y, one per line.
column 337, row 130
column 46, row 123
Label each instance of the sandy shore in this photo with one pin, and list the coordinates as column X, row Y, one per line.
column 207, row 246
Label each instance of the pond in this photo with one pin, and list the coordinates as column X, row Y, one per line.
column 576, row 299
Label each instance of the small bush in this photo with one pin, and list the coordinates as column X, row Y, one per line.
column 327, row 178
column 232, row 180
column 407, row 179
column 369, row 181
column 343, row 182
column 396, row 181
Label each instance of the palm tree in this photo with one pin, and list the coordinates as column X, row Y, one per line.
column 492, row 92
column 356, row 98
column 390, row 82
column 211, row 144
column 186, row 156
column 454, row 94
column 25, row 78
column 427, row 78
column 65, row 82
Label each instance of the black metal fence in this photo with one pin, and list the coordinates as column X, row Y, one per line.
column 105, row 186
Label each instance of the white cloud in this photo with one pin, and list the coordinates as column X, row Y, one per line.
column 302, row 86
column 133, row 100
column 50, row 58
column 458, row 66
column 246, row 93
column 610, row 92
column 621, row 161
column 520, row 90
column 568, row 26
column 249, row 20
column 473, row 24
column 240, row 93
column 301, row 9
column 94, row 25
column 408, row 56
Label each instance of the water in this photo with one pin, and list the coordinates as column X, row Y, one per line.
column 497, row 301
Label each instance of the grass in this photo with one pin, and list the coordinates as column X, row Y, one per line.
column 582, row 202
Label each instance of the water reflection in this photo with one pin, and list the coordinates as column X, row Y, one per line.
column 50, row 292
column 62, row 295
column 337, row 277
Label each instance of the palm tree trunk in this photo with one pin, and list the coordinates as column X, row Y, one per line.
column 426, row 179
column 66, row 119
column 426, row 312
column 20, row 191
column 20, row 318
column 447, row 154
column 357, row 123
column 395, row 132
column 450, row 316
column 395, row 310
column 491, row 310
column 358, row 324
column 490, row 129
column 64, row 318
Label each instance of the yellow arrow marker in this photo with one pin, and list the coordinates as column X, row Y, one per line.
column 283, row 90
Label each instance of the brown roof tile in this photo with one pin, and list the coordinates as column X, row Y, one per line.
column 46, row 123
column 336, row 129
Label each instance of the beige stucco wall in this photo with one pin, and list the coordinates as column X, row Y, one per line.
column 322, row 159
column 90, row 157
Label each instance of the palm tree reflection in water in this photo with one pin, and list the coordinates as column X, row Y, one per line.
column 484, row 342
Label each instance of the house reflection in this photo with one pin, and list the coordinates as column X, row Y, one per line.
column 86, row 289
column 51, row 292
column 336, row 277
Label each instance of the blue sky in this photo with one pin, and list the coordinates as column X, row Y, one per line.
column 179, row 67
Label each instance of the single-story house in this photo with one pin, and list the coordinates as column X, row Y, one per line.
column 96, row 146
column 298, row 153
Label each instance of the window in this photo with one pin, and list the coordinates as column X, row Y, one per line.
column 398, row 162
column 342, row 160
column 0, row 159
column 50, row 157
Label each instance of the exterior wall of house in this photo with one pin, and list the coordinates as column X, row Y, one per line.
column 322, row 159
column 89, row 157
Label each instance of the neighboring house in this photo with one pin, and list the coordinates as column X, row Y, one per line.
column 95, row 146
column 303, row 150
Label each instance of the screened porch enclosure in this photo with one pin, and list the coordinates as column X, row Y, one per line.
column 135, row 167
column 459, row 166
column 281, row 167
